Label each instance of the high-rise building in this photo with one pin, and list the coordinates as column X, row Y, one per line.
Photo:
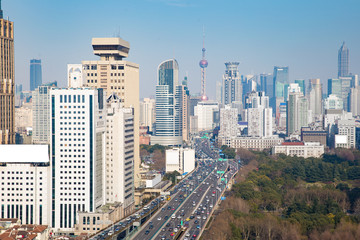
column 119, row 166
column 266, row 84
column 231, row 86
column 334, row 87
column 184, row 104
column 218, row 91
column 147, row 113
column 7, row 82
column 35, row 74
column 346, row 84
column 281, row 82
column 333, row 102
column 78, row 122
column 205, row 113
column 343, row 61
column 346, row 134
column 297, row 110
column 315, row 97
column 41, row 113
column 228, row 123
column 258, row 115
column 116, row 75
column 355, row 99
column 168, row 130
column 302, row 85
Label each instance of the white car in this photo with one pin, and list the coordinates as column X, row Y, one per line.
column 159, row 218
column 176, row 230
column 204, row 217
column 173, row 216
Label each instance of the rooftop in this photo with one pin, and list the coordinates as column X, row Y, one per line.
column 22, row 153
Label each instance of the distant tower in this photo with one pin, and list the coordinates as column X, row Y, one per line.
column 343, row 61
column 203, row 65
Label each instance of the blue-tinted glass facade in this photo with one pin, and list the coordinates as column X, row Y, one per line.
column 35, row 74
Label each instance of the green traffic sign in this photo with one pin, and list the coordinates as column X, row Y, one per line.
column 220, row 172
column 222, row 179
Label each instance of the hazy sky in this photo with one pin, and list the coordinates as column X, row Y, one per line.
column 304, row 35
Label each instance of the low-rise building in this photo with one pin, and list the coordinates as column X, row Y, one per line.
column 309, row 135
column 92, row 222
column 255, row 143
column 27, row 232
column 180, row 159
column 300, row 149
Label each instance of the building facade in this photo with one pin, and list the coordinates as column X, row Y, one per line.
column 115, row 75
column 231, row 84
column 343, row 61
column 77, row 154
column 168, row 130
column 228, row 122
column 119, row 167
column 205, row 114
column 35, row 74
column 25, row 183
column 300, row 149
column 7, row 82
column 255, row 143
column 147, row 113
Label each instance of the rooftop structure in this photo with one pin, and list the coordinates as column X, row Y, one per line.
column 111, row 48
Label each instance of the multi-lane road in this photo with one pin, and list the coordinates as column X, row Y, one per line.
column 185, row 216
column 192, row 202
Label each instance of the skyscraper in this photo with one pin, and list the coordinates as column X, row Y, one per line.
column 297, row 110
column 231, row 87
column 41, row 111
column 35, row 74
column 315, row 97
column 78, row 123
column 266, row 84
column 343, row 61
column 302, row 85
column 116, row 75
column 281, row 84
column 334, row 87
column 7, row 80
column 168, row 129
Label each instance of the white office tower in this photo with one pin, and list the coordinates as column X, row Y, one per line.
column 315, row 97
column 181, row 160
column 25, row 178
column 355, row 98
column 228, row 123
column 297, row 110
column 346, row 134
column 205, row 113
column 119, row 170
column 218, row 91
column 77, row 153
column 333, row 102
column 258, row 115
column 147, row 113
column 231, row 84
column 168, row 130
column 75, row 76
column 41, row 111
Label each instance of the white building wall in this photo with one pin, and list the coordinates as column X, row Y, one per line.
column 189, row 160
column 172, row 160
column 204, row 111
column 78, row 153
column 75, row 75
column 119, row 168
column 25, row 183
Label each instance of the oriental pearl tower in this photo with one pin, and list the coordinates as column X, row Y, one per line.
column 203, row 65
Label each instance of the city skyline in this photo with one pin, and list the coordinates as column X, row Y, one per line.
column 300, row 42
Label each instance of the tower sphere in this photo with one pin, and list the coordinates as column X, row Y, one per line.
column 203, row 63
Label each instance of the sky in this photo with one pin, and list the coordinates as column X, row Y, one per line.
column 260, row 34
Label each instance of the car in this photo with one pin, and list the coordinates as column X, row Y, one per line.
column 172, row 234
column 163, row 209
column 170, row 229
column 164, row 229
column 187, row 234
column 194, row 236
column 176, row 230
column 198, row 227
column 179, row 217
column 147, row 232
column 196, row 221
column 166, row 217
column 173, row 216
column 198, row 217
column 151, row 226
column 204, row 217
column 168, row 225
